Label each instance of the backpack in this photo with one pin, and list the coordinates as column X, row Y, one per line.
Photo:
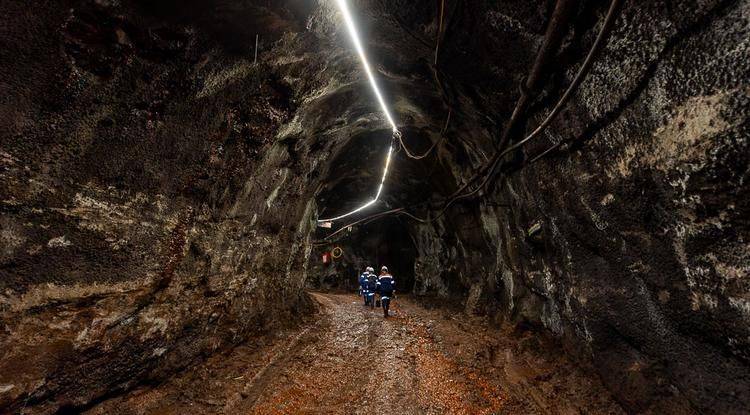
column 372, row 282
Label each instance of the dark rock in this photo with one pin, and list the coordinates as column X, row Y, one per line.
column 159, row 190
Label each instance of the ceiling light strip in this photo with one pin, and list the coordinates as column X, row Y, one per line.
column 358, row 45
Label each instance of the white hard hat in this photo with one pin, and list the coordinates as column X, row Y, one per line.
column 384, row 269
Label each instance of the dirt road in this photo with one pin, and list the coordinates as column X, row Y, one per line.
column 350, row 360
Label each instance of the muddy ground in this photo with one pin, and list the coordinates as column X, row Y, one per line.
column 348, row 359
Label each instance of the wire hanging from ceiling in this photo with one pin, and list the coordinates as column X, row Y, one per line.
column 486, row 173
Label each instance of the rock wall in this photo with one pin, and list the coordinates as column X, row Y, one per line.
column 151, row 214
column 641, row 262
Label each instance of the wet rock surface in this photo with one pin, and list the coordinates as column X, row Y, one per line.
column 158, row 188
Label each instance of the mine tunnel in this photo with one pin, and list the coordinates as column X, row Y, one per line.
column 191, row 193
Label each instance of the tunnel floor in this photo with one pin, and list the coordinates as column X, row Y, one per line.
column 347, row 359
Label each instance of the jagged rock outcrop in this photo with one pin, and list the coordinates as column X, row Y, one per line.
column 641, row 262
column 149, row 215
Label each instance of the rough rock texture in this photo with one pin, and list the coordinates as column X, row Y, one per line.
column 158, row 189
column 645, row 214
column 641, row 262
column 149, row 216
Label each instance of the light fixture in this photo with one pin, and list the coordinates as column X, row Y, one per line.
column 368, row 204
column 358, row 46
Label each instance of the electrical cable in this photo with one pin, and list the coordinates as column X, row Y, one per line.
column 432, row 147
column 557, row 29
column 545, row 152
column 343, row 228
column 441, row 89
column 580, row 75
column 440, row 30
column 490, row 167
